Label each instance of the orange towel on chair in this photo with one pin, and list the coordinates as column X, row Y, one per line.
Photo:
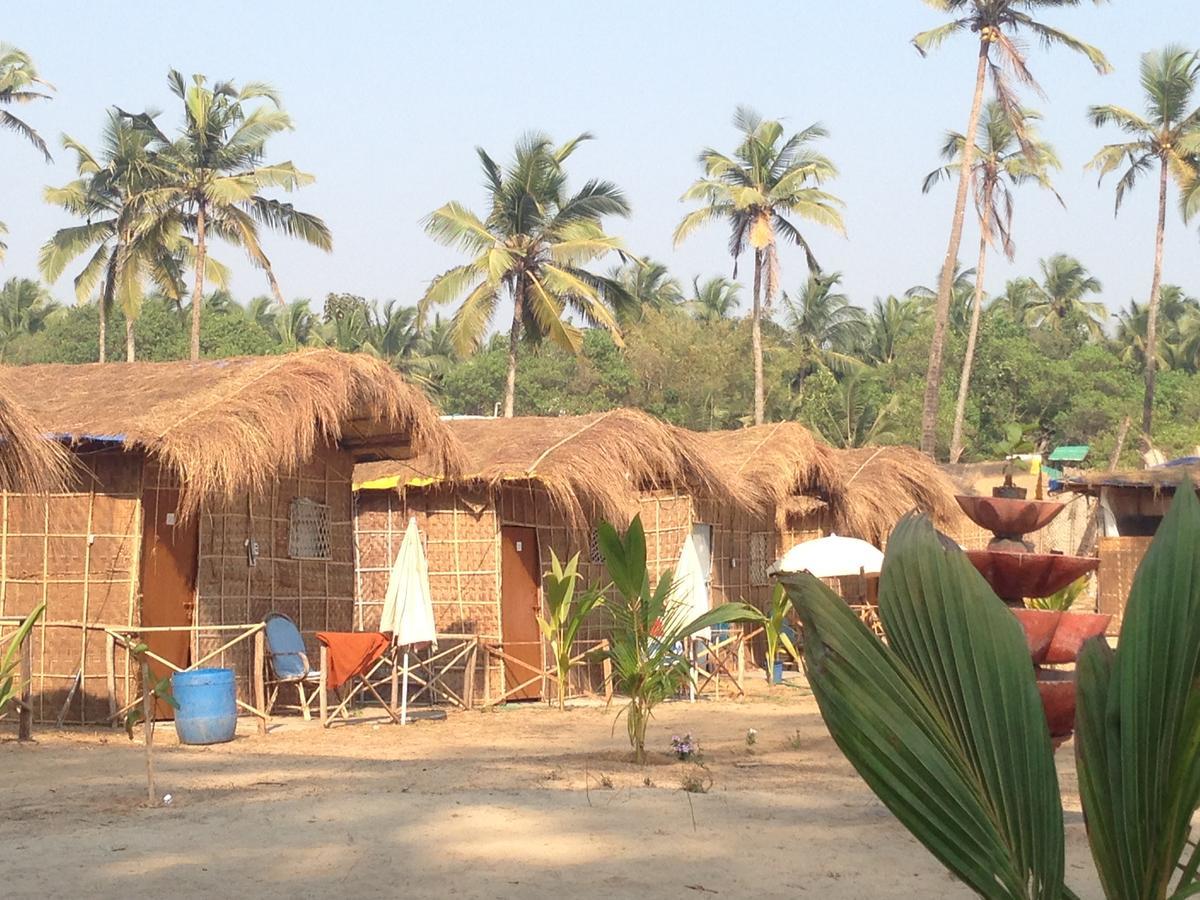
column 350, row 653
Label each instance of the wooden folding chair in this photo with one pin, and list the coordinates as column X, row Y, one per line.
column 368, row 682
column 288, row 664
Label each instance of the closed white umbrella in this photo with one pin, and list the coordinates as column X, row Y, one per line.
column 408, row 606
column 689, row 596
column 831, row 557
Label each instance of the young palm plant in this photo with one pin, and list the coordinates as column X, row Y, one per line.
column 775, row 628
column 769, row 181
column 25, row 306
column 648, row 630
column 945, row 724
column 1002, row 163
column 824, row 327
column 532, row 246
column 10, row 659
column 127, row 244
column 214, row 173
column 565, row 614
column 1167, row 137
column 1000, row 26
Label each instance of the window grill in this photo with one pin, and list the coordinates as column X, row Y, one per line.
column 594, row 553
column 759, row 542
column 308, row 530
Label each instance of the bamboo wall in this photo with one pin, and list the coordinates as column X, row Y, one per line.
column 79, row 553
column 317, row 593
column 1119, row 561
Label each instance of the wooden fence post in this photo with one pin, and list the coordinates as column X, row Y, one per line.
column 110, row 672
column 25, row 716
column 606, row 673
column 260, row 688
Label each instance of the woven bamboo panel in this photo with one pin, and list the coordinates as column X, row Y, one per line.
column 78, row 552
column 1119, row 561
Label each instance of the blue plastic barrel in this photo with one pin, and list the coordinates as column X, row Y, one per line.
column 777, row 673
column 207, row 701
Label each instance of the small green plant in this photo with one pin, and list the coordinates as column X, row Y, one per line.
column 776, row 629
column 648, row 630
column 10, row 661
column 151, row 689
column 794, row 742
column 565, row 615
column 1061, row 600
column 695, row 780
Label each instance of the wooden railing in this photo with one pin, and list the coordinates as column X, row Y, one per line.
column 537, row 674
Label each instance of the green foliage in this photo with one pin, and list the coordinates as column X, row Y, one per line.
column 945, row 724
column 775, row 627
column 648, row 630
column 565, row 615
column 10, row 659
column 1061, row 600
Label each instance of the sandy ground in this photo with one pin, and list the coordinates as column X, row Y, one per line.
column 522, row 802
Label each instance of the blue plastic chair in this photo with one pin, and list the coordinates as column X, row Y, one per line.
column 289, row 662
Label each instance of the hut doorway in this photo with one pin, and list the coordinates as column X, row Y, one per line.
column 168, row 582
column 520, row 604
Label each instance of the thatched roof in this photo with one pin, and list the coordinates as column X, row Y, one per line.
column 601, row 461
column 881, row 484
column 229, row 426
column 785, row 467
column 28, row 462
column 1157, row 478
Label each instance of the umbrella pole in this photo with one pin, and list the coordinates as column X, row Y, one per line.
column 692, row 670
column 404, row 693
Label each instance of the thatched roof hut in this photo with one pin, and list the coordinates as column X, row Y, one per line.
column 880, row 484
column 591, row 463
column 28, row 462
column 785, row 468
column 226, row 427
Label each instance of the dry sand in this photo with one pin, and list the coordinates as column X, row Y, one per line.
column 522, row 802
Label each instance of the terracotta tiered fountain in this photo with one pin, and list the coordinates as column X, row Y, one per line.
column 1015, row 573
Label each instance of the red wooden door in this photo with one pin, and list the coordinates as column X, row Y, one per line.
column 168, row 585
column 520, row 604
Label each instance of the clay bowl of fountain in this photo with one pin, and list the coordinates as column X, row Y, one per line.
column 1015, row 576
column 1009, row 517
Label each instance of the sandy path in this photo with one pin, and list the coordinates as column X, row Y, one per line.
column 482, row 805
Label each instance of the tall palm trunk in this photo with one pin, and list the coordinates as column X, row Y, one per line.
column 756, row 339
column 514, row 337
column 102, row 331
column 964, row 384
column 198, row 290
column 937, row 348
column 130, row 344
column 1152, row 310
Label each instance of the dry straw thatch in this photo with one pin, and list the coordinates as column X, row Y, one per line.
column 228, row 427
column 599, row 462
column 881, row 484
column 782, row 465
column 1157, row 479
column 29, row 463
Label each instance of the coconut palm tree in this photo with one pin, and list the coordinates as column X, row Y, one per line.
column 770, row 181
column 20, row 83
column 648, row 284
column 213, row 176
column 961, row 300
column 1001, row 163
column 824, row 327
column 714, row 299
column 1166, row 137
column 531, row 247
column 1060, row 301
column 888, row 322
column 1178, row 314
column 1000, row 26
column 127, row 244
column 1014, row 302
column 25, row 306
column 294, row 324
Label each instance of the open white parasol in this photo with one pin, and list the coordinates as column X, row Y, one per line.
column 831, row 557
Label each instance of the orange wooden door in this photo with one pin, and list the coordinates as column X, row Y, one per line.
column 169, row 551
column 520, row 604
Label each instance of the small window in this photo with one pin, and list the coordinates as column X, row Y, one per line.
column 594, row 554
column 759, row 541
column 308, row 530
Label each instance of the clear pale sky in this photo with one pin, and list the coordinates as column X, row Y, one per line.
column 389, row 100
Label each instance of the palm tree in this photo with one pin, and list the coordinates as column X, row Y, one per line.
column 127, row 245
column 1179, row 315
column 532, row 247
column 1167, row 136
column 769, row 181
column 293, row 325
column 854, row 418
column 714, row 299
column 1016, row 299
column 824, row 327
column 1001, row 163
column 888, row 323
column 648, row 284
column 213, row 174
column 24, row 308
column 1000, row 25
column 961, row 300
column 1060, row 301
column 19, row 81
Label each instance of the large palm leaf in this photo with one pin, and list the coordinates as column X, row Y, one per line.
column 944, row 723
